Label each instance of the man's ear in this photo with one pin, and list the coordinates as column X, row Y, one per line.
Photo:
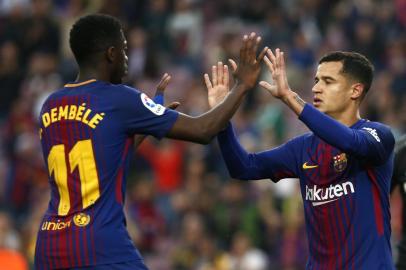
column 357, row 91
column 111, row 54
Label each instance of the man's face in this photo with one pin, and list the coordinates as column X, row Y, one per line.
column 332, row 89
column 121, row 61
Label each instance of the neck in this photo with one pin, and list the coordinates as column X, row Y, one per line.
column 348, row 118
column 93, row 72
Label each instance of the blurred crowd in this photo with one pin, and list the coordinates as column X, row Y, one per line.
column 183, row 209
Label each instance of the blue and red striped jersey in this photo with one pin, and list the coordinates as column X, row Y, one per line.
column 344, row 177
column 86, row 131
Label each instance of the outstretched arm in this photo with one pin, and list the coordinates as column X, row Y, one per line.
column 203, row 128
column 274, row 164
column 374, row 142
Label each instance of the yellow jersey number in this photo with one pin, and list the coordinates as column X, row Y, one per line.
column 80, row 156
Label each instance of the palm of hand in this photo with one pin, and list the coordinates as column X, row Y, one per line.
column 217, row 94
column 218, row 87
column 276, row 65
column 280, row 82
column 248, row 74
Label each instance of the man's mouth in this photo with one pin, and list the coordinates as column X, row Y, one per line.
column 316, row 101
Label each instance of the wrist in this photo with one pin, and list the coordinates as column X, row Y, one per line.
column 159, row 98
column 241, row 86
column 294, row 102
column 289, row 94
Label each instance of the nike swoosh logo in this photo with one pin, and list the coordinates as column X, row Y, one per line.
column 306, row 167
column 324, row 202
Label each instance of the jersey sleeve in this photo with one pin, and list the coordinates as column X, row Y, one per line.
column 141, row 115
column 274, row 164
column 373, row 142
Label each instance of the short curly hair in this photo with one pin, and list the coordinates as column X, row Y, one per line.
column 93, row 33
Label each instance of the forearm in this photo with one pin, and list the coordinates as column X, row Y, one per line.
column 322, row 125
column 234, row 155
column 328, row 129
column 237, row 160
column 294, row 102
column 274, row 164
column 203, row 128
column 216, row 119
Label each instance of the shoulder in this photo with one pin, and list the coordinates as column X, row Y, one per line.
column 122, row 90
column 120, row 94
column 377, row 130
column 51, row 97
column 372, row 124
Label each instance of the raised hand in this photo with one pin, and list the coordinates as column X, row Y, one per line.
column 249, row 66
column 160, row 89
column 279, row 86
column 219, row 86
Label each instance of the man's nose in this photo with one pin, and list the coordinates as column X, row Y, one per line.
column 316, row 89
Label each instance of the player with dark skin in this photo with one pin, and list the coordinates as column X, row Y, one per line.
column 88, row 156
column 111, row 66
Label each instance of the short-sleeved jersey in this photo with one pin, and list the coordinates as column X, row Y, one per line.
column 86, row 131
column 345, row 193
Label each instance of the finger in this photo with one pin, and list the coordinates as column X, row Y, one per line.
column 214, row 75
column 269, row 64
column 278, row 57
column 282, row 60
column 256, row 45
column 207, row 81
column 174, row 105
column 271, row 56
column 250, row 48
column 233, row 65
column 262, row 54
column 243, row 49
column 220, row 73
column 164, row 82
column 226, row 77
column 266, row 85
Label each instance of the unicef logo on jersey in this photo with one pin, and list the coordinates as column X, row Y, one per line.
column 81, row 219
column 151, row 105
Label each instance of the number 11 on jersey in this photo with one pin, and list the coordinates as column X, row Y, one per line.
column 80, row 156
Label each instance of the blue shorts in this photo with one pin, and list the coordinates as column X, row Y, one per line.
column 131, row 265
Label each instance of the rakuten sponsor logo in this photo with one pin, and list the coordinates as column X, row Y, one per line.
column 319, row 196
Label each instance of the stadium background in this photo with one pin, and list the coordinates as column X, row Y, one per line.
column 184, row 212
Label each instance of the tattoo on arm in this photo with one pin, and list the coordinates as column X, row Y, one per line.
column 300, row 101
